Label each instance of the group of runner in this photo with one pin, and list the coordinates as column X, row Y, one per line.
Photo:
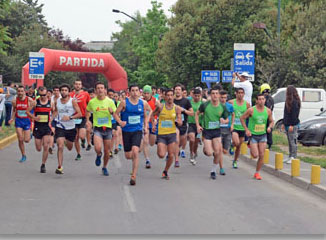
column 140, row 119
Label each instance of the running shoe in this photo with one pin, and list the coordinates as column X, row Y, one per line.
column 132, row 181
column 192, row 161
column 289, row 161
column 183, row 154
column 98, row 160
column 116, row 151
column 43, row 170
column 167, row 157
column 78, row 158
column 89, row 147
column 23, row 159
column 120, row 147
column 83, row 141
column 222, row 172
column 59, row 170
column 231, row 150
column 50, row 150
column 148, row 164
column 213, row 175
column 111, row 154
column 105, row 171
column 235, row 164
column 177, row 164
column 165, row 175
column 257, row 176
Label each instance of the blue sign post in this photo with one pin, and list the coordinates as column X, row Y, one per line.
column 244, row 59
column 36, row 65
column 227, row 76
column 209, row 76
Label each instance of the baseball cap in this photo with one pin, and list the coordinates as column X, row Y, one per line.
column 147, row 89
column 244, row 74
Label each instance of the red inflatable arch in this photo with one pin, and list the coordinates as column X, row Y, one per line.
column 69, row 61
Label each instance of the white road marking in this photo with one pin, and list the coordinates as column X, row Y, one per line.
column 129, row 199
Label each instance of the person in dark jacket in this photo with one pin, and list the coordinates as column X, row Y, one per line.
column 291, row 120
column 266, row 90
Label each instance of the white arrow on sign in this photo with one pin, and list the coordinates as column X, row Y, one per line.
column 248, row 56
column 206, row 73
column 40, row 63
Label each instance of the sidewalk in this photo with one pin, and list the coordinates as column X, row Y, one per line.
column 303, row 181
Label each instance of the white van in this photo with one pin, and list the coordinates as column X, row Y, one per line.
column 313, row 101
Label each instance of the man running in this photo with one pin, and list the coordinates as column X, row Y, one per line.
column 192, row 130
column 256, row 131
column 82, row 97
column 226, row 126
column 22, row 121
column 169, row 114
column 213, row 112
column 102, row 108
column 150, row 136
column 42, row 124
column 186, row 111
column 56, row 95
column 66, row 110
column 133, row 121
column 240, row 106
column 89, row 126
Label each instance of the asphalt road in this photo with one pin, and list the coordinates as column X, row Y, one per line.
column 83, row 201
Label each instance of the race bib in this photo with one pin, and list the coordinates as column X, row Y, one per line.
column 167, row 124
column 43, row 118
column 182, row 117
column 134, row 119
column 78, row 120
column 198, row 135
column 260, row 127
column 112, row 118
column 213, row 125
column 237, row 121
column 21, row 113
column 102, row 121
column 224, row 125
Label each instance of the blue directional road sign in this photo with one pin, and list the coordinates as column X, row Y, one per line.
column 209, row 76
column 36, row 65
column 227, row 76
column 244, row 59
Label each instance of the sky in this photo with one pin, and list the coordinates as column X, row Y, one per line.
column 93, row 20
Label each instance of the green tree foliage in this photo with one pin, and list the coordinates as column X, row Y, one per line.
column 145, row 45
column 5, row 38
column 202, row 34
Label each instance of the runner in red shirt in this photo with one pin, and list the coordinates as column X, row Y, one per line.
column 82, row 97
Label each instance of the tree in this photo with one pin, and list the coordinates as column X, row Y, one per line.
column 145, row 45
column 5, row 38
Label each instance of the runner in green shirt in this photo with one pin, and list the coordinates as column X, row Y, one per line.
column 256, row 131
column 213, row 111
column 192, row 129
column 102, row 108
column 240, row 106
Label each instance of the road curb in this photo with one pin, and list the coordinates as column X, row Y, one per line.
column 297, row 181
column 7, row 141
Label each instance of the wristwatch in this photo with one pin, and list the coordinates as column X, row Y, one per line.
column 70, row 117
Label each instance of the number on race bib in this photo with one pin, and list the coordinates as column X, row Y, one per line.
column 237, row 121
column 44, row 118
column 213, row 125
column 78, row 120
column 21, row 113
column 102, row 121
column 260, row 127
column 134, row 119
column 167, row 124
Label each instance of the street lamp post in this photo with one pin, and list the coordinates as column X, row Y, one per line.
column 261, row 25
column 118, row 11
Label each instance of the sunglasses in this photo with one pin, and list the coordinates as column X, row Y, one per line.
column 42, row 95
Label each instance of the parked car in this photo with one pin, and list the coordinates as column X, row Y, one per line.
column 312, row 132
column 313, row 101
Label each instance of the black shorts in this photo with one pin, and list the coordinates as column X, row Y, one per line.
column 192, row 128
column 131, row 139
column 114, row 126
column 40, row 131
column 211, row 133
column 82, row 124
column 241, row 133
column 167, row 138
column 182, row 129
column 69, row 135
